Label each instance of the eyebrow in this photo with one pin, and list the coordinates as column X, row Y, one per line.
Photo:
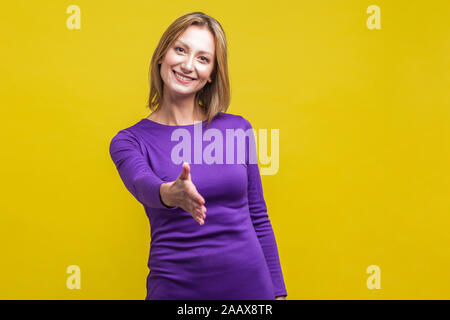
column 184, row 44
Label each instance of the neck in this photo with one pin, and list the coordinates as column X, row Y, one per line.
column 178, row 112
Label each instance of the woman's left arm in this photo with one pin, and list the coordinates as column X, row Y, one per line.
column 261, row 222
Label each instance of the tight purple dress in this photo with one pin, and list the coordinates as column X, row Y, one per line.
column 234, row 254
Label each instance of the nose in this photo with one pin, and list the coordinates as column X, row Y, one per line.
column 187, row 64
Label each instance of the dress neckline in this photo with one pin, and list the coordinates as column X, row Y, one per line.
column 174, row 126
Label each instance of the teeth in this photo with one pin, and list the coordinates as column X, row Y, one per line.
column 182, row 78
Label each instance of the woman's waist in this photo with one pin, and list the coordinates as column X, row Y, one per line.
column 211, row 255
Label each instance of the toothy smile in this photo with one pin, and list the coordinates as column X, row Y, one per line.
column 181, row 77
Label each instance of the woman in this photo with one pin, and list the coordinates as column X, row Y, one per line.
column 230, row 252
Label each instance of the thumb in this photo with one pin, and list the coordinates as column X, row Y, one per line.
column 185, row 172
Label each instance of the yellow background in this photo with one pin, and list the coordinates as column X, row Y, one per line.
column 364, row 120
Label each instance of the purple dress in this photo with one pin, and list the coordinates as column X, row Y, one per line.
column 234, row 254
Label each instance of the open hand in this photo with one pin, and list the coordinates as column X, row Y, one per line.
column 183, row 193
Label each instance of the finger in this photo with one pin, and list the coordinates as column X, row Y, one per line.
column 198, row 197
column 199, row 220
column 198, row 209
column 195, row 210
column 201, row 199
column 203, row 209
column 200, row 212
column 188, row 170
column 184, row 175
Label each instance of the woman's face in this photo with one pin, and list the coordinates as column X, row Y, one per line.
column 192, row 55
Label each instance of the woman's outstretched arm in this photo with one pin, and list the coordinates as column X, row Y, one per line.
column 135, row 171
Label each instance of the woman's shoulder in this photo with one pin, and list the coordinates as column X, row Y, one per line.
column 130, row 133
column 234, row 119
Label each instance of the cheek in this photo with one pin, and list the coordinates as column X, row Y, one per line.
column 170, row 59
column 164, row 71
column 205, row 72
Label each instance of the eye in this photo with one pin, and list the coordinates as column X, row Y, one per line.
column 205, row 59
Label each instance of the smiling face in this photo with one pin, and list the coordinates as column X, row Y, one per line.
column 192, row 55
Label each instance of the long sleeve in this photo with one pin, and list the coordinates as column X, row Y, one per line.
column 135, row 171
column 261, row 222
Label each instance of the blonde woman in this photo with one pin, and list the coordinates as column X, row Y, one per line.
column 192, row 166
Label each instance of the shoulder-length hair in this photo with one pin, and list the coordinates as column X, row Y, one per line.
column 214, row 97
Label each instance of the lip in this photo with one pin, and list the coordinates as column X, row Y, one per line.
column 182, row 81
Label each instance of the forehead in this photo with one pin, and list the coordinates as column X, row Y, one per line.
column 198, row 39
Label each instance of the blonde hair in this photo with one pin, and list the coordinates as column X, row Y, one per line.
column 215, row 96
